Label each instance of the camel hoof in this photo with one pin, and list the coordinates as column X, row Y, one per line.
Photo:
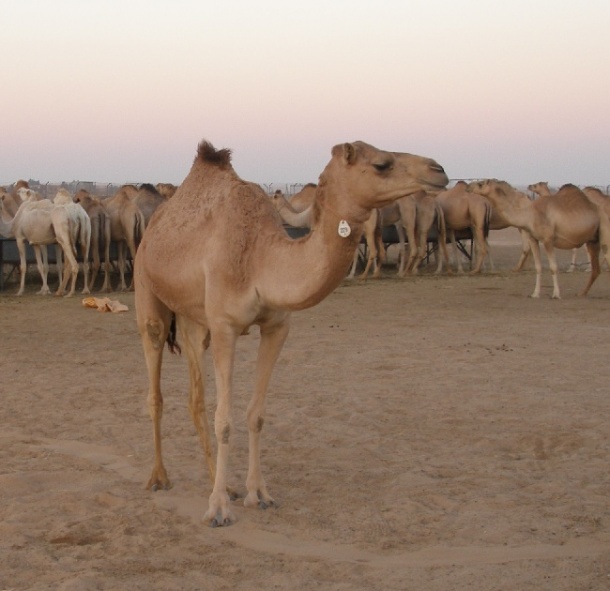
column 216, row 522
column 267, row 504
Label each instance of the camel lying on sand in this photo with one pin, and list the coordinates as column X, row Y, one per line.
column 217, row 259
column 564, row 220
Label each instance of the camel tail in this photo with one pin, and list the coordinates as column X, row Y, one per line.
column 172, row 343
column 138, row 228
column 487, row 222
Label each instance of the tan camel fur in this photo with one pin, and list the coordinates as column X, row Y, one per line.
column 218, row 258
column 462, row 211
column 380, row 218
column 304, row 198
column 148, row 199
column 166, row 189
column 541, row 189
column 127, row 224
column 428, row 212
column 100, row 235
column 566, row 220
column 499, row 222
column 297, row 219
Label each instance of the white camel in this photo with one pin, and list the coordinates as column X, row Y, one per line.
column 81, row 228
column 41, row 223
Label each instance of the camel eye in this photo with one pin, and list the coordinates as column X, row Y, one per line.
column 383, row 166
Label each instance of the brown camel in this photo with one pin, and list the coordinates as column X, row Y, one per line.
column 166, row 189
column 428, row 212
column 542, row 189
column 100, row 235
column 127, row 224
column 148, row 199
column 564, row 220
column 217, row 258
column 380, row 218
column 462, row 211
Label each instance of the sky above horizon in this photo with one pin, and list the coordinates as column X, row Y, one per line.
column 124, row 91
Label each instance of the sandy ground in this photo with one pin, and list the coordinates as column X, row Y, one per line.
column 438, row 433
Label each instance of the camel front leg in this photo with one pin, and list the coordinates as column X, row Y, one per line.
column 42, row 262
column 224, row 338
column 481, row 250
column 550, row 254
column 272, row 341
column 121, row 262
column 153, row 341
column 456, row 252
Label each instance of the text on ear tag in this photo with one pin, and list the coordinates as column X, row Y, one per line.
column 344, row 229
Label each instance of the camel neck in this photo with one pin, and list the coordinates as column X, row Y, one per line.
column 303, row 272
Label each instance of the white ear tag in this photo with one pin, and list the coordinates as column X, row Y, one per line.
column 344, row 229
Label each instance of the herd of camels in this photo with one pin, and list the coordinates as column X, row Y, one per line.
column 212, row 258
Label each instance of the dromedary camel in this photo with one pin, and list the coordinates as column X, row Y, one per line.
column 100, row 235
column 304, row 198
column 564, row 220
column 428, row 212
column 462, row 211
column 372, row 231
column 217, row 257
column 127, row 224
column 41, row 222
column 542, row 189
column 148, row 199
column 290, row 216
column 81, row 235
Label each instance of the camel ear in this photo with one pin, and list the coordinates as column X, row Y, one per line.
column 345, row 151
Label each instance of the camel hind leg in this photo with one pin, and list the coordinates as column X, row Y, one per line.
column 154, row 320
column 195, row 338
column 593, row 249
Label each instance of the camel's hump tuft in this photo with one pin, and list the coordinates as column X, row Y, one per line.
column 148, row 187
column 208, row 153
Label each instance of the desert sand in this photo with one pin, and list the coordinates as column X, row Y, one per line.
column 438, row 433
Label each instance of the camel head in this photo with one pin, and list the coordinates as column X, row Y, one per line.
column 373, row 178
column 28, row 195
column 540, row 188
column 62, row 197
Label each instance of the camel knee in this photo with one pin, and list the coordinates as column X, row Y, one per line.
column 255, row 422
column 156, row 333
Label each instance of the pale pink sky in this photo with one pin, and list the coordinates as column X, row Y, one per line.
column 124, row 91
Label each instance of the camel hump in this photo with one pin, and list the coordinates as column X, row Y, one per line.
column 148, row 187
column 208, row 153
